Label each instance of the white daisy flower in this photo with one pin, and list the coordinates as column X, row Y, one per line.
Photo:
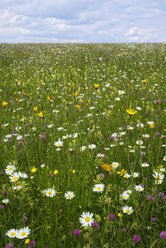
column 140, row 125
column 50, row 125
column 86, row 219
column 69, row 195
column 100, row 155
column 10, row 169
column 42, row 165
column 162, row 169
column 23, row 175
column 115, row 165
column 23, row 233
column 128, row 191
column 135, row 174
column 144, row 165
column 159, row 177
column 12, row 233
column 121, row 92
column 92, row 146
column 146, row 135
column 127, row 175
column 139, row 188
column 132, row 151
column 98, row 188
column 49, row 192
column 130, row 128
column 82, row 148
column 14, row 177
column 124, row 196
column 139, row 142
column 18, row 187
column 127, row 210
column 58, row 143
column 5, row 201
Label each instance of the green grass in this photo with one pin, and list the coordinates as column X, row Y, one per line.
column 55, row 78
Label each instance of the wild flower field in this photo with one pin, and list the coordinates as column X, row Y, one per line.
column 82, row 145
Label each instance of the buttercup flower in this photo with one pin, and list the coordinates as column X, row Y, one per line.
column 41, row 114
column 5, row 104
column 131, row 112
column 107, row 167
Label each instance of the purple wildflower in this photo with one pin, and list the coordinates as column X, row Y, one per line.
column 95, row 224
column 111, row 216
column 163, row 235
column 136, row 239
column 76, row 232
column 42, row 136
column 161, row 196
column 9, row 245
column 150, row 198
column 102, row 175
column 153, row 219
column 32, row 243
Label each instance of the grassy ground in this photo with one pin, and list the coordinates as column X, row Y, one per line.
column 64, row 127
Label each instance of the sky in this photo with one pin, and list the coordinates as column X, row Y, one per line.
column 84, row 21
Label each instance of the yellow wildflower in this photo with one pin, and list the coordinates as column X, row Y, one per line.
column 5, row 104
column 41, row 114
column 75, row 93
column 55, row 172
column 96, row 86
column 35, row 108
column 77, row 107
column 122, row 172
column 120, row 215
column 145, row 81
column 48, row 98
column 107, row 167
column 27, row 241
column 131, row 112
column 33, row 170
column 151, row 124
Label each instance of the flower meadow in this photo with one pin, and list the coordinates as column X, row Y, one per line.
column 82, row 145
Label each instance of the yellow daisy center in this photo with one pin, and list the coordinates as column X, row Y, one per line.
column 23, row 234
column 87, row 219
column 13, row 234
column 15, row 178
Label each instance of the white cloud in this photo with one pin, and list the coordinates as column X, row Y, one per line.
column 83, row 20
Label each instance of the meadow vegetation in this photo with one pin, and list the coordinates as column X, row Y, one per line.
column 82, row 145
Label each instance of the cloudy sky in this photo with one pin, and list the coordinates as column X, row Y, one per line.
column 82, row 21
